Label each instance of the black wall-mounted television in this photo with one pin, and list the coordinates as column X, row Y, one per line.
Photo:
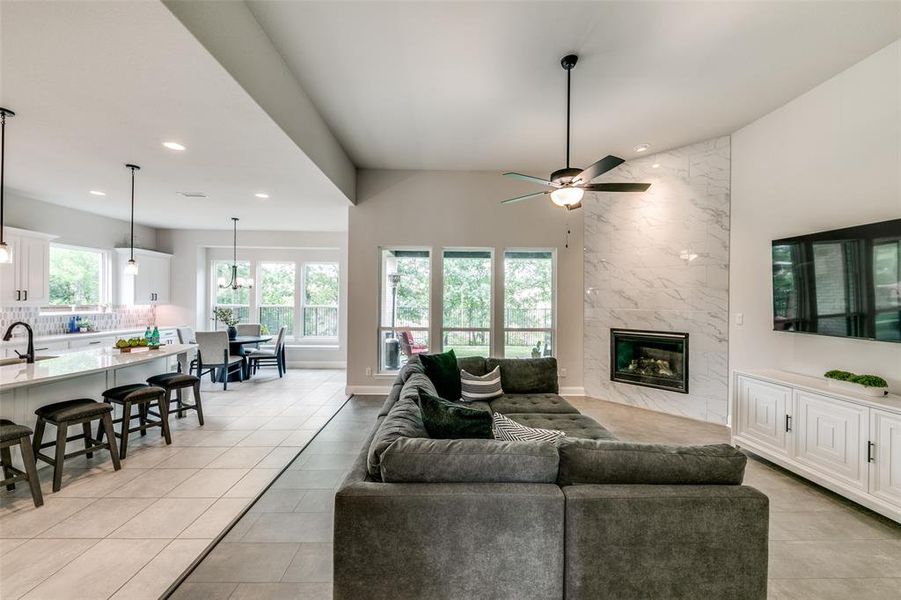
column 845, row 282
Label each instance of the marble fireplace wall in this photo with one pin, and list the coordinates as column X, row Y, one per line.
column 660, row 261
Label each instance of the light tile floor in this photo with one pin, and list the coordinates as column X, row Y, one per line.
column 130, row 534
column 821, row 546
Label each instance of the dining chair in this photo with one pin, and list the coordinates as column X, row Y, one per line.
column 275, row 356
column 251, row 330
column 186, row 336
column 213, row 354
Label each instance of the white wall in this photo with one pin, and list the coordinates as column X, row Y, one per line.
column 441, row 209
column 828, row 159
column 193, row 250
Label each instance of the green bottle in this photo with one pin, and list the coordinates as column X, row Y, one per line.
column 148, row 335
column 155, row 337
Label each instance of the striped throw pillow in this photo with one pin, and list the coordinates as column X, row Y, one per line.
column 508, row 430
column 485, row 387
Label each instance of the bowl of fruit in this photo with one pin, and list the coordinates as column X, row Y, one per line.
column 130, row 344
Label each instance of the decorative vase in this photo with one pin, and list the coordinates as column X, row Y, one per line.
column 232, row 332
column 856, row 388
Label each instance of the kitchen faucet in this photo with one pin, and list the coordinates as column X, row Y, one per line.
column 29, row 353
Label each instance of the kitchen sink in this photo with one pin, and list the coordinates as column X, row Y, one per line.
column 21, row 361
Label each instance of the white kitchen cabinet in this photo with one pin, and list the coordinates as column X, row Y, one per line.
column 92, row 342
column 884, row 455
column 151, row 284
column 40, row 348
column 831, row 437
column 765, row 413
column 25, row 281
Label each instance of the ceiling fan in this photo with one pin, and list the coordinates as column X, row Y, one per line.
column 571, row 183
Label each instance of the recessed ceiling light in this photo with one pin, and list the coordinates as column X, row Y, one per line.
column 174, row 146
column 193, row 194
column 641, row 147
column 97, row 193
column 261, row 195
column 655, row 165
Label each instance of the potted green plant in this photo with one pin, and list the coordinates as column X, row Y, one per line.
column 83, row 325
column 227, row 316
column 868, row 385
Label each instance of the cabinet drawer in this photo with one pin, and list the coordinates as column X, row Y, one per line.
column 831, row 437
column 92, row 343
column 764, row 414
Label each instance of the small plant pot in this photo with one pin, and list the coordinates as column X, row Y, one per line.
column 232, row 333
column 856, row 388
column 83, row 329
column 124, row 350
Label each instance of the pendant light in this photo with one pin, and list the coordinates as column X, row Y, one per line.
column 6, row 254
column 236, row 283
column 131, row 268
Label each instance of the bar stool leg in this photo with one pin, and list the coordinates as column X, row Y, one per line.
column 31, row 470
column 142, row 414
column 123, row 428
column 164, row 417
column 197, row 405
column 7, row 460
column 86, row 429
column 179, row 400
column 106, row 423
column 61, row 434
column 38, row 436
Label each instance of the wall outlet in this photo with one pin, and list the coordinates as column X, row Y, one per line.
column 562, row 373
column 739, row 318
column 368, row 371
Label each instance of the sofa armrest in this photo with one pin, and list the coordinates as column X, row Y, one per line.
column 666, row 541
column 437, row 540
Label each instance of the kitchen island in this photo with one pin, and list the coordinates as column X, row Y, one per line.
column 81, row 374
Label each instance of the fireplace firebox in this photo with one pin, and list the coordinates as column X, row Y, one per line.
column 656, row 359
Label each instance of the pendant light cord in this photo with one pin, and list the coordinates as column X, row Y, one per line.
column 568, row 84
column 2, row 161
column 132, row 214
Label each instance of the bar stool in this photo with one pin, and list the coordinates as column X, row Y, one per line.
column 179, row 382
column 12, row 435
column 142, row 396
column 65, row 414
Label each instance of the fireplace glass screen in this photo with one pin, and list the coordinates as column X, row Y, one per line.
column 650, row 358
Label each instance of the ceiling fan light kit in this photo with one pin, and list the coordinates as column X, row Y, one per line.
column 571, row 183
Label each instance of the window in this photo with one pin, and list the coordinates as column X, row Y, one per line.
column 467, row 302
column 320, row 300
column 404, row 307
column 277, row 297
column 78, row 277
column 237, row 300
column 887, row 292
column 528, row 303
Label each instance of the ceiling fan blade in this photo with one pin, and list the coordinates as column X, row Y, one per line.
column 599, row 168
column 538, row 180
column 526, row 197
column 616, row 187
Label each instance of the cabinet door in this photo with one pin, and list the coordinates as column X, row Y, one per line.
column 35, row 270
column 143, row 281
column 10, row 294
column 163, row 269
column 885, row 468
column 764, row 414
column 831, row 438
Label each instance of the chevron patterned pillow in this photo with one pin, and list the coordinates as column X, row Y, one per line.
column 484, row 387
column 508, row 430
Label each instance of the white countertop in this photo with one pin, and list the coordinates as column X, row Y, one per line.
column 74, row 364
column 20, row 338
column 821, row 385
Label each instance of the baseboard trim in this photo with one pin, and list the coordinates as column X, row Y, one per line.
column 572, row 391
column 317, row 364
column 367, row 390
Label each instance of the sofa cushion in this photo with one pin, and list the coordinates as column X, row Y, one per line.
column 480, row 387
column 612, row 462
column 416, row 460
column 402, row 376
column 444, row 419
column 509, row 404
column 506, row 429
column 442, row 369
column 403, row 420
column 474, row 365
column 526, row 375
column 573, row 425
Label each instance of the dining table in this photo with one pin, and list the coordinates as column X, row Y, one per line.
column 237, row 347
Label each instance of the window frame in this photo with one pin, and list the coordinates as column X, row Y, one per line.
column 502, row 327
column 214, row 288
column 380, row 370
column 106, row 287
column 492, row 301
column 302, row 305
column 257, row 295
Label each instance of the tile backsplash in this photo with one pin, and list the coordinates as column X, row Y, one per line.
column 117, row 317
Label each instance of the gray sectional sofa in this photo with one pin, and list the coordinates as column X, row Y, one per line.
column 589, row 517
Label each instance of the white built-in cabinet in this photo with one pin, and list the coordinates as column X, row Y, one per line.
column 849, row 444
column 25, row 281
column 151, row 284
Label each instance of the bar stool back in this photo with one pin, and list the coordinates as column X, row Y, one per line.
column 12, row 434
column 179, row 382
column 82, row 411
column 142, row 396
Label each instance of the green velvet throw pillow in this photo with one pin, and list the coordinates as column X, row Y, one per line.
column 442, row 369
column 447, row 420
